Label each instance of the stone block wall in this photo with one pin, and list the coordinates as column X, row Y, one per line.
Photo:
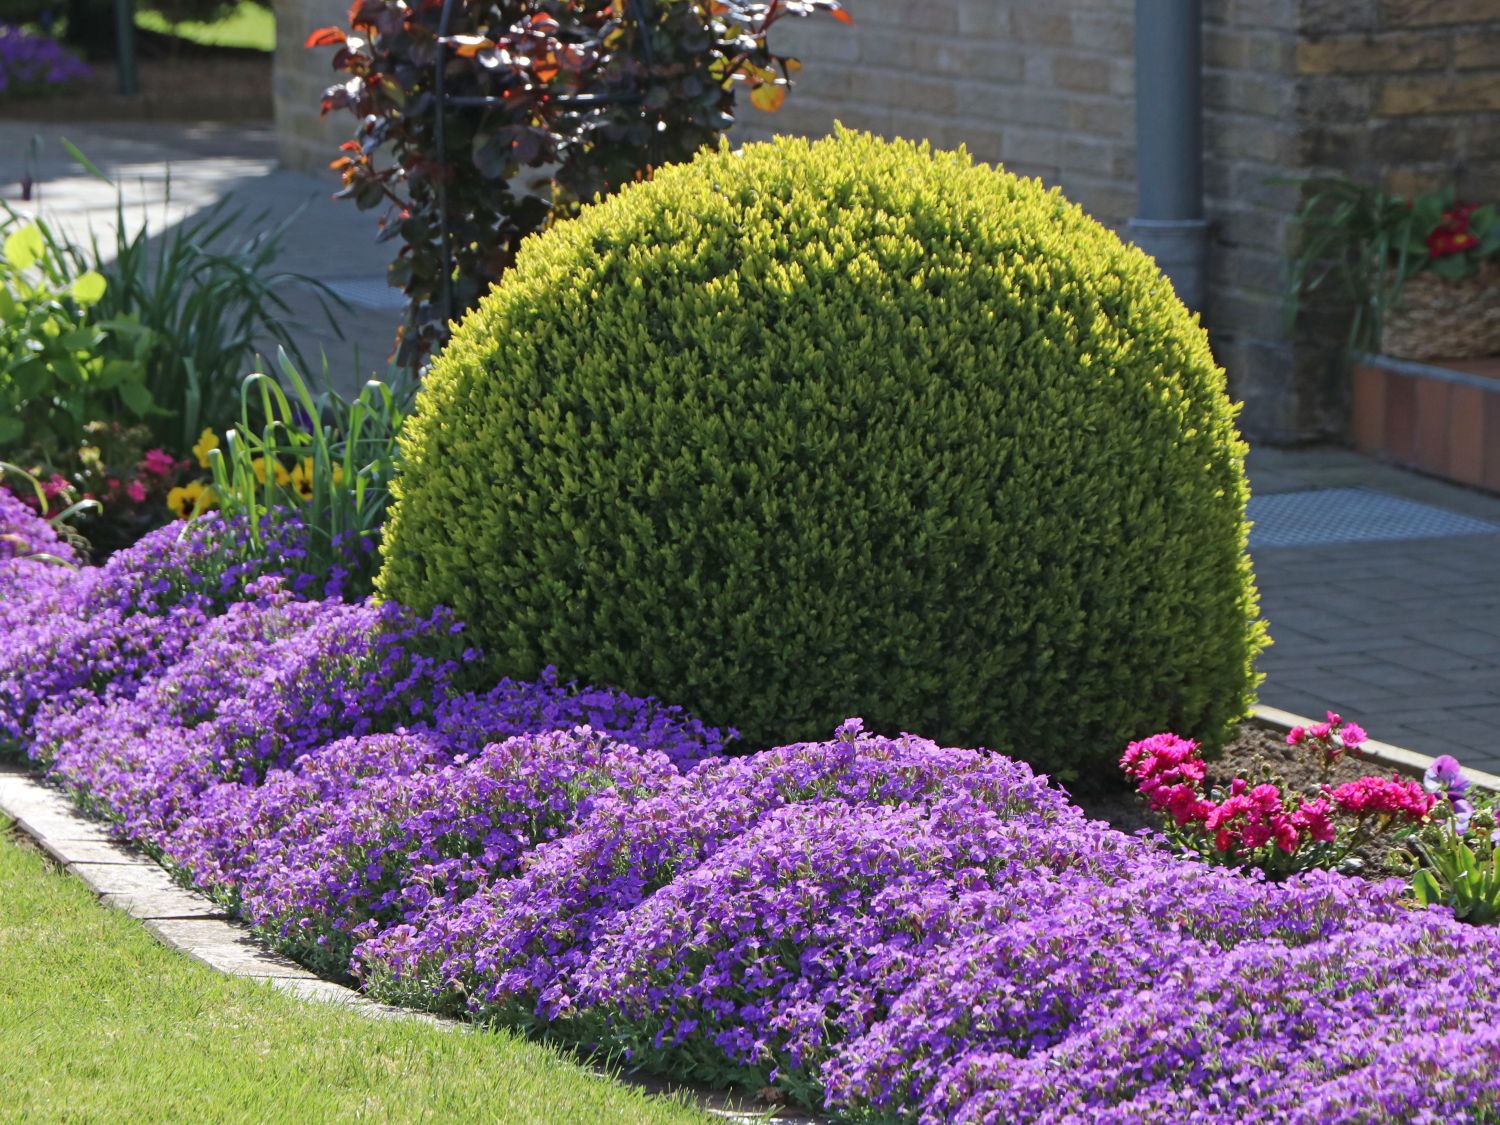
column 1406, row 92
column 1047, row 90
column 306, row 141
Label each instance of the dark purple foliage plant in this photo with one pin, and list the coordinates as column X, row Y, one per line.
column 578, row 97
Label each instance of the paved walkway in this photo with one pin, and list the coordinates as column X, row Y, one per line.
column 168, row 172
column 1401, row 634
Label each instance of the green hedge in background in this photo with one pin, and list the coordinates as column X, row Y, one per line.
column 851, row 427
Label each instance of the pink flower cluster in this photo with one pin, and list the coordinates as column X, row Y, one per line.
column 1384, row 797
column 1328, row 739
column 1257, row 823
column 1170, row 775
column 1254, row 817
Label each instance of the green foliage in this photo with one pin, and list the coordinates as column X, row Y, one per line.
column 328, row 458
column 246, row 25
column 1458, row 869
column 845, row 428
column 161, row 330
column 1363, row 245
column 62, row 364
column 209, row 298
column 582, row 97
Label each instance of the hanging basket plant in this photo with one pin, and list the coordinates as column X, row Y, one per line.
column 1422, row 273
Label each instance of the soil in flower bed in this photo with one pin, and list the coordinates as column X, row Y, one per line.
column 239, row 81
column 1256, row 752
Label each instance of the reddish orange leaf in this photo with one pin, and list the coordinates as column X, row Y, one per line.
column 325, row 37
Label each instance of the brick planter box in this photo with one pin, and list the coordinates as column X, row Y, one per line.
column 1441, row 418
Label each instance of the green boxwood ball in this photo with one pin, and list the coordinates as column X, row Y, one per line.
column 846, row 427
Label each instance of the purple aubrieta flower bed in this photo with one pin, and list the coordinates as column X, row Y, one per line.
column 32, row 64
column 884, row 928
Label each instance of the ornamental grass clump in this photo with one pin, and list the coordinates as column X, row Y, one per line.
column 811, row 428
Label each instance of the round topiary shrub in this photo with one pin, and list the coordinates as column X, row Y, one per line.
column 850, row 427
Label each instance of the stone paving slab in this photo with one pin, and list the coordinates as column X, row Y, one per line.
column 144, row 890
column 1403, row 636
column 226, row 946
column 169, row 172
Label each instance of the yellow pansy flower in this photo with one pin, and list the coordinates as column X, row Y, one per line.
column 302, row 478
column 258, row 466
column 206, row 440
column 191, row 498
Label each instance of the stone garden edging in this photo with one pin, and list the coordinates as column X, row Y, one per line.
column 126, row 878
column 1379, row 753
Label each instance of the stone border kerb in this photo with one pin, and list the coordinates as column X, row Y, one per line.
column 1381, row 753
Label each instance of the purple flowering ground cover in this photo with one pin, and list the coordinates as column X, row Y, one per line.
column 884, row 928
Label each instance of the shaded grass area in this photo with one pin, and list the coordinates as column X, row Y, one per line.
column 101, row 1023
column 249, row 25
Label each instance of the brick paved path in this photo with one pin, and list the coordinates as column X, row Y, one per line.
column 1403, row 636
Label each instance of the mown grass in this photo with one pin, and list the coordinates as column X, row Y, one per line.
column 98, row 1022
column 248, row 25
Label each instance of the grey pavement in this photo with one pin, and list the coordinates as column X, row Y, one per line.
column 1402, row 634
column 168, row 172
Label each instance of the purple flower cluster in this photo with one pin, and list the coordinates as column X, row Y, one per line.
column 23, row 533
column 880, row 927
column 31, row 64
column 109, row 629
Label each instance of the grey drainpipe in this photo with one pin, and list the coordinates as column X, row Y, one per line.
column 1169, row 224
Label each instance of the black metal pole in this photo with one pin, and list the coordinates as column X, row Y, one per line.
column 440, row 140
column 125, row 47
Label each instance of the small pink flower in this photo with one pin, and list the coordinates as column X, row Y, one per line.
column 136, row 491
column 1383, row 796
column 1352, row 736
column 159, row 463
column 1314, row 818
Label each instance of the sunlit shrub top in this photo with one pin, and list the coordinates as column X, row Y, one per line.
column 813, row 428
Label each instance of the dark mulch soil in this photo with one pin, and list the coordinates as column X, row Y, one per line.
column 178, row 81
column 1256, row 752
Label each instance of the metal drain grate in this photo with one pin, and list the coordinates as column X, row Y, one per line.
column 1351, row 515
column 367, row 292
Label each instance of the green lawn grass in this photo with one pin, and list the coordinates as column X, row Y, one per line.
column 248, row 25
column 98, row 1022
